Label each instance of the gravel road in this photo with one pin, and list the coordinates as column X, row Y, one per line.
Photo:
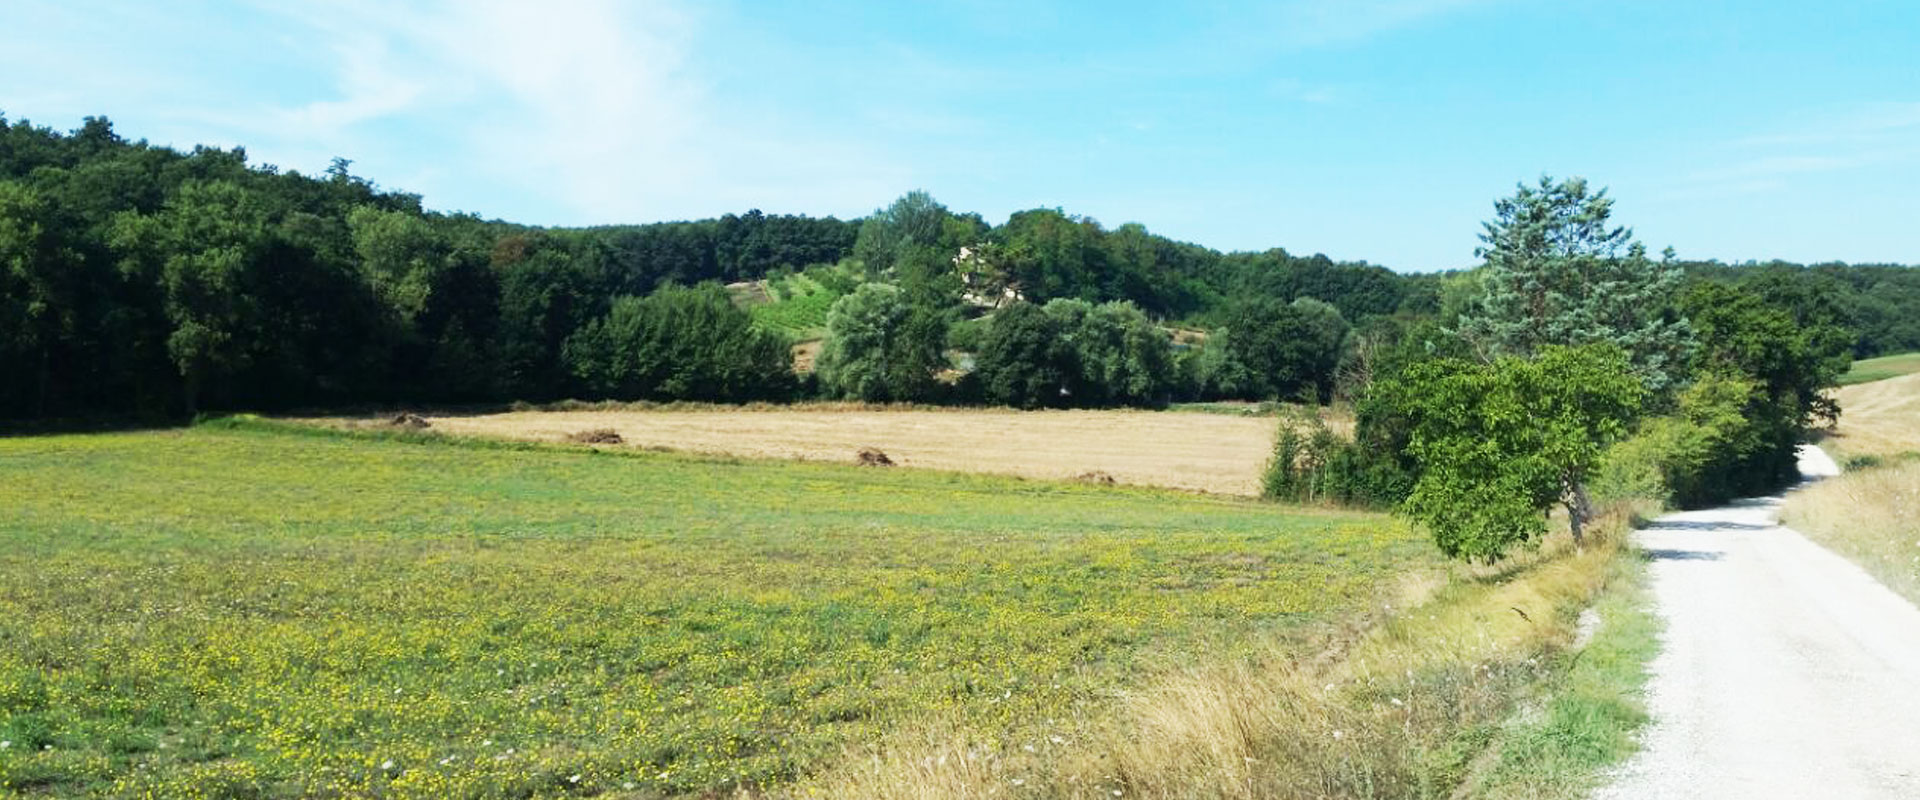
column 1785, row 670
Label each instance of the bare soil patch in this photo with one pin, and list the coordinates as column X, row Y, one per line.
column 1206, row 452
column 806, row 354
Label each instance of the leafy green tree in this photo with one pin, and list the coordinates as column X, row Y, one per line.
column 1026, row 361
column 1499, row 444
column 1358, row 290
column 38, row 298
column 1789, row 361
column 200, row 248
column 401, row 256
column 1558, row 272
column 1267, row 349
column 143, row 280
column 547, row 292
column 1119, row 356
column 913, row 224
column 1052, row 255
column 1326, row 332
column 680, row 344
column 881, row 348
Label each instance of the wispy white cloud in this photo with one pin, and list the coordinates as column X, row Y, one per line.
column 1873, row 135
column 1871, row 122
column 1774, row 167
column 592, row 106
column 370, row 89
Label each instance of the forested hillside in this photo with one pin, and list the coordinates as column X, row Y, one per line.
column 142, row 281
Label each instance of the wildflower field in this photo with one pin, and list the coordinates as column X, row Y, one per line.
column 250, row 609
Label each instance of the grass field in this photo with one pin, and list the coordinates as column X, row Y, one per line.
column 252, row 611
column 1222, row 453
column 1882, row 368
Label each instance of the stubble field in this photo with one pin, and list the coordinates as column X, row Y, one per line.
column 1211, row 452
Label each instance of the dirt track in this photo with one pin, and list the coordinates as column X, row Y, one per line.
column 1785, row 670
column 1183, row 450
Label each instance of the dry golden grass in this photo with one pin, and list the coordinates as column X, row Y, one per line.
column 1207, row 452
column 1881, row 418
column 1871, row 516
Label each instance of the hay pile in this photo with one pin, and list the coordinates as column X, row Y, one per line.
column 409, row 421
column 596, row 436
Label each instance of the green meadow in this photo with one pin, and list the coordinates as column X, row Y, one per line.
column 1879, row 369
column 247, row 609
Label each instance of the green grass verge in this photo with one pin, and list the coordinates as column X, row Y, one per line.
column 1591, row 710
column 1882, row 368
column 250, row 609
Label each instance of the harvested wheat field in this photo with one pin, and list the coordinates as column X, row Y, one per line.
column 1881, row 418
column 1207, row 452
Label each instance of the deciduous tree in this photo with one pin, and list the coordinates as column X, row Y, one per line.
column 880, row 347
column 1498, row 444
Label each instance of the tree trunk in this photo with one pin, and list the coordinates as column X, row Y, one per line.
column 190, row 392
column 1579, row 510
column 45, row 379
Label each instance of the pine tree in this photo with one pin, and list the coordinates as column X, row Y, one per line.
column 1558, row 273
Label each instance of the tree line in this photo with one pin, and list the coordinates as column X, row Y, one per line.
column 144, row 281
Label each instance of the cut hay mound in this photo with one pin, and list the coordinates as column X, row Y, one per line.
column 1096, row 476
column 596, row 436
column 409, row 421
column 872, row 457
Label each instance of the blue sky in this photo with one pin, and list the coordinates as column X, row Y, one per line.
column 1370, row 129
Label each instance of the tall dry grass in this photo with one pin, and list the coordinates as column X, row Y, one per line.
column 1871, row 516
column 1403, row 709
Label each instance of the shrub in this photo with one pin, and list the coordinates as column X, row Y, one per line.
column 1312, row 464
column 1680, row 458
column 1862, row 462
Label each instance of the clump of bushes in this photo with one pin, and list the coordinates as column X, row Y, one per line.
column 1074, row 353
column 680, row 344
column 1313, row 464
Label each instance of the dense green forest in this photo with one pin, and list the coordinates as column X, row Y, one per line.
column 140, row 281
